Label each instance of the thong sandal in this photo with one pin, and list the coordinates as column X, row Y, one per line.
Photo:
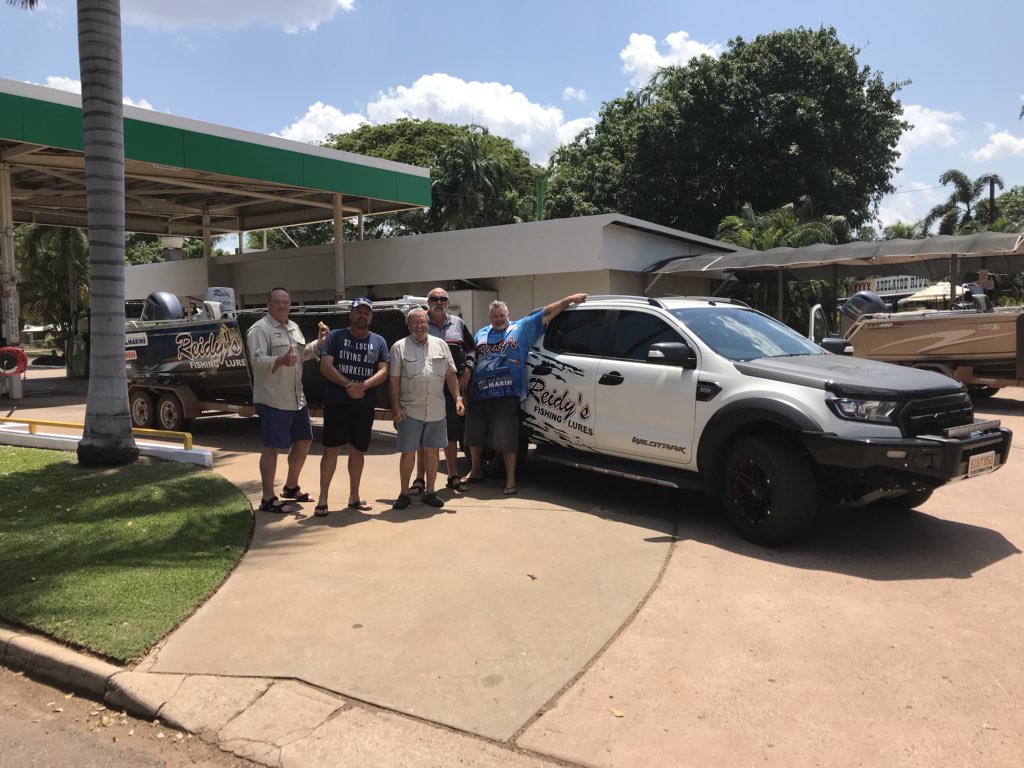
column 417, row 487
column 320, row 510
column 510, row 490
column 295, row 494
column 359, row 505
column 273, row 505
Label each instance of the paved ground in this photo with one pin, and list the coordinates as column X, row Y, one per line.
column 604, row 623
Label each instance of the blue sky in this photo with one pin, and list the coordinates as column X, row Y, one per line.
column 536, row 72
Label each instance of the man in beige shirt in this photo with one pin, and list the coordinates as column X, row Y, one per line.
column 421, row 367
column 276, row 352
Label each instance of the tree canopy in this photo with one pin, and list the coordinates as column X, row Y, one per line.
column 479, row 179
column 53, row 267
column 787, row 115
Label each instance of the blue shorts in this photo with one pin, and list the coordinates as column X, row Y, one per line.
column 279, row 429
column 412, row 433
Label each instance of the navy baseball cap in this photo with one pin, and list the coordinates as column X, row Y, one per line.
column 362, row 302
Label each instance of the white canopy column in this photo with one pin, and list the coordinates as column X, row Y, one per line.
column 339, row 247
column 8, row 273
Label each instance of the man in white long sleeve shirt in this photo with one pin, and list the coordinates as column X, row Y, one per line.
column 277, row 349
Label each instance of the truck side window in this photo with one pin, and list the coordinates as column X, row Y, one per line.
column 637, row 331
column 577, row 333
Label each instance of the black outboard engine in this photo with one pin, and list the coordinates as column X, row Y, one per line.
column 861, row 303
column 161, row 305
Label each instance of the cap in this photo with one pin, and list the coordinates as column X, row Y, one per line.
column 364, row 302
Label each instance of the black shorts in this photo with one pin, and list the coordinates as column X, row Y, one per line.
column 347, row 425
column 494, row 423
column 452, row 418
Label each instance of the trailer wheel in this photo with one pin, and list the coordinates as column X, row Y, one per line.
column 169, row 413
column 768, row 490
column 140, row 404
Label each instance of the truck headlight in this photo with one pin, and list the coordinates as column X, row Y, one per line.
column 875, row 411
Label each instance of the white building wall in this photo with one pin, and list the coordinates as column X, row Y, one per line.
column 182, row 278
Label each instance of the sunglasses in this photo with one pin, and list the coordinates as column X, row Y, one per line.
column 442, row 299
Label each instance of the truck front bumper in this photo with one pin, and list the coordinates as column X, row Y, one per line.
column 933, row 459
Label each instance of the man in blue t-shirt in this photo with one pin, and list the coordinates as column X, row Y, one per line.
column 354, row 361
column 499, row 384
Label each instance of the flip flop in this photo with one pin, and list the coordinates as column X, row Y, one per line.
column 320, row 510
column 510, row 490
column 417, row 487
column 360, row 505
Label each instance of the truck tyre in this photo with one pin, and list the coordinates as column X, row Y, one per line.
column 768, row 490
column 981, row 391
column 140, row 404
column 169, row 413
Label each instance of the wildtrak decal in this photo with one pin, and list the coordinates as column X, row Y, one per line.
column 656, row 444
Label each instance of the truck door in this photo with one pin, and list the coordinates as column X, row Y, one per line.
column 644, row 409
column 559, row 405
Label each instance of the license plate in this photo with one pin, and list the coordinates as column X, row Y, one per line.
column 980, row 463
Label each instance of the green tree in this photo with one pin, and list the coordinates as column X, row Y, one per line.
column 107, row 438
column 141, row 248
column 1009, row 208
column 53, row 267
column 791, row 226
column 902, row 230
column 959, row 211
column 479, row 178
column 788, row 115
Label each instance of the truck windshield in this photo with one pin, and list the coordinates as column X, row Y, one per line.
column 740, row 334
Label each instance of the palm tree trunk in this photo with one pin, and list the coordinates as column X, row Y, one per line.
column 107, row 439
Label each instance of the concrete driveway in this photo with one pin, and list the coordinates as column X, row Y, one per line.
column 607, row 623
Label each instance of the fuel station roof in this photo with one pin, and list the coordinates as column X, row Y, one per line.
column 177, row 171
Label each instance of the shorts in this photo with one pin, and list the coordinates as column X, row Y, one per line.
column 348, row 425
column 494, row 423
column 412, row 433
column 452, row 418
column 279, row 429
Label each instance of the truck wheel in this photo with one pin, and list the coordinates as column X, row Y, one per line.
column 768, row 490
column 169, row 413
column 140, row 405
column 981, row 391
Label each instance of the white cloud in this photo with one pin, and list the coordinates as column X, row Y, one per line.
column 503, row 110
column 75, row 86
column 320, row 120
column 574, row 94
column 932, row 128
column 291, row 16
column 1001, row 144
column 640, row 58
column 911, row 202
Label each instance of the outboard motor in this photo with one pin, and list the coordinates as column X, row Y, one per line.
column 861, row 303
column 161, row 305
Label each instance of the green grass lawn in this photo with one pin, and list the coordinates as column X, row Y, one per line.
column 111, row 560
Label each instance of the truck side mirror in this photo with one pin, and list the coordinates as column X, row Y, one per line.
column 675, row 353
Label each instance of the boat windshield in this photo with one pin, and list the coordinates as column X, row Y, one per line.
column 740, row 334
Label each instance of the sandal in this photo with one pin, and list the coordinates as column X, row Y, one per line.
column 320, row 510
column 360, row 505
column 295, row 494
column 510, row 490
column 457, row 484
column 401, row 502
column 417, row 487
column 431, row 499
column 273, row 505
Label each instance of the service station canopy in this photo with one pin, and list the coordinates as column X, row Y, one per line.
column 183, row 177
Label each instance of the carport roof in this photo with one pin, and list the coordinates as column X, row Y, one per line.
column 177, row 170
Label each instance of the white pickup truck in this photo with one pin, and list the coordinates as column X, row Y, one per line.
column 708, row 394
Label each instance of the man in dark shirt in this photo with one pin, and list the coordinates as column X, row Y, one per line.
column 354, row 361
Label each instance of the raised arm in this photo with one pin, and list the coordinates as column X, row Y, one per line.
column 555, row 307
